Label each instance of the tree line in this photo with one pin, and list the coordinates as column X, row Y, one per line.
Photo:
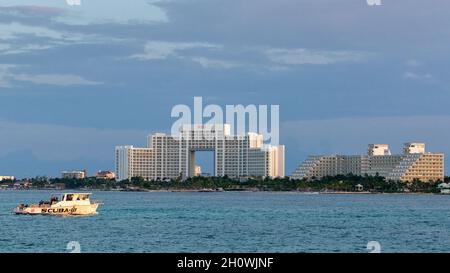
column 338, row 183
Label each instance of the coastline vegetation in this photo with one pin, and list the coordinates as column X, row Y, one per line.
column 330, row 184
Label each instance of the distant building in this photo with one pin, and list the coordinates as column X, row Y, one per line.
column 169, row 156
column 378, row 149
column 6, row 177
column 57, row 186
column 74, row 174
column 198, row 170
column 22, row 185
column 413, row 164
column 107, row 175
column 414, row 148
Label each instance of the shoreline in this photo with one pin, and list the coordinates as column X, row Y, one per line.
column 224, row 191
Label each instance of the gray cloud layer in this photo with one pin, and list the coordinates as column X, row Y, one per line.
column 343, row 73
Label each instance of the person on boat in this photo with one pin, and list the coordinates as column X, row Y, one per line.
column 53, row 200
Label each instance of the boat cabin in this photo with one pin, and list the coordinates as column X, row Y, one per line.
column 70, row 198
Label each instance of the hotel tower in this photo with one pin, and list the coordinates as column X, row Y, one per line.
column 168, row 156
column 414, row 164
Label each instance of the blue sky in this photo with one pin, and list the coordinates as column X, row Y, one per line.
column 77, row 80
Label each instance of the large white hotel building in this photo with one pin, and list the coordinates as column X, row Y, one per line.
column 414, row 164
column 168, row 156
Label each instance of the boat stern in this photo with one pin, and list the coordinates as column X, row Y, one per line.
column 27, row 210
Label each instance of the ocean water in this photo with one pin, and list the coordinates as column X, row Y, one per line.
column 233, row 222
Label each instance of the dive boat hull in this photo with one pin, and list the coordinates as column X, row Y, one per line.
column 68, row 204
column 60, row 210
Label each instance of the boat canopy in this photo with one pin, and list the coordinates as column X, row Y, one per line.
column 71, row 196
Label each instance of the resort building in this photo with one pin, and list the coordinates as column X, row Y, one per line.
column 7, row 177
column 379, row 149
column 106, row 175
column 167, row 156
column 198, row 170
column 74, row 174
column 414, row 164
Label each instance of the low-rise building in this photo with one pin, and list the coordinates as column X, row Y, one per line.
column 7, row 177
column 57, row 186
column 22, row 185
column 74, row 174
column 107, row 175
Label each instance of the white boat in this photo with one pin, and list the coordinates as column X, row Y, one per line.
column 64, row 204
column 444, row 187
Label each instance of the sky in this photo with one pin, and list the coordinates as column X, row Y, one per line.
column 75, row 81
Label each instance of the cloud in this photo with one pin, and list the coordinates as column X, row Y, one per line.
column 5, row 75
column 15, row 30
column 302, row 56
column 215, row 56
column 31, row 11
column 55, row 79
column 19, row 49
column 3, row 82
column 19, row 38
column 214, row 63
column 413, row 63
column 4, row 47
column 16, row 38
column 417, row 76
column 90, row 11
column 160, row 50
column 412, row 73
column 8, row 75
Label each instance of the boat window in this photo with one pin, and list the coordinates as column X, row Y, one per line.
column 84, row 197
column 69, row 197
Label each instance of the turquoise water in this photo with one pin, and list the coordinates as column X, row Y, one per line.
column 233, row 222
